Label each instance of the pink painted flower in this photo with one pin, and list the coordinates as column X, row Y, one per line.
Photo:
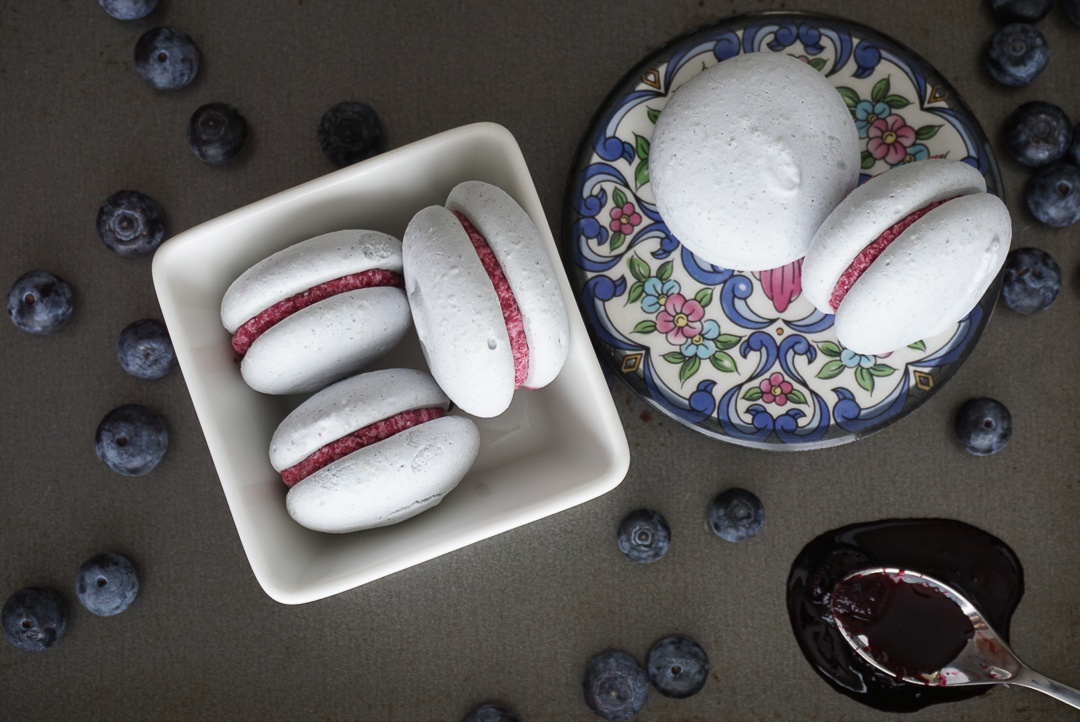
column 889, row 138
column 775, row 389
column 625, row 219
column 782, row 285
column 680, row 319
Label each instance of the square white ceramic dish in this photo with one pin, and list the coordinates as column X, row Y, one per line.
column 554, row 448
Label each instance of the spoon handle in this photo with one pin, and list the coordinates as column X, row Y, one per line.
column 1033, row 680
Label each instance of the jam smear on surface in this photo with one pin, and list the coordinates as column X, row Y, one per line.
column 975, row 563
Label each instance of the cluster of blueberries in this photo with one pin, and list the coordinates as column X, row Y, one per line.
column 1018, row 52
column 35, row 618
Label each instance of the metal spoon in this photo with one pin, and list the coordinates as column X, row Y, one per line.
column 986, row 659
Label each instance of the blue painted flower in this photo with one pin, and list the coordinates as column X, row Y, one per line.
column 851, row 359
column 866, row 112
column 656, row 293
column 916, row 151
column 703, row 344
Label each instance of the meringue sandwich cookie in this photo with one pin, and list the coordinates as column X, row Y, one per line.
column 907, row 255
column 371, row 450
column 749, row 157
column 317, row 311
column 484, row 297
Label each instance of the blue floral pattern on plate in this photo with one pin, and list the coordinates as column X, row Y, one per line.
column 743, row 356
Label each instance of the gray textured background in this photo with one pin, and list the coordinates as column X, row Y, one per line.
column 516, row 617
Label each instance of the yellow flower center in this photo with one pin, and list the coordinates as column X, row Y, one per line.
column 681, row 320
column 889, row 137
column 624, row 219
column 662, row 298
column 699, row 339
column 777, row 391
column 871, row 118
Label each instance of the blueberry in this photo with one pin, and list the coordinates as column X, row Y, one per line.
column 615, row 686
column 677, row 666
column 1022, row 11
column 1017, row 54
column 1032, row 280
column 736, row 515
column 145, row 350
column 131, row 440
column 350, row 132
column 983, row 426
column 166, row 58
column 39, row 302
column 34, row 619
column 490, row 713
column 1072, row 10
column 1053, row 195
column 1074, row 147
column 128, row 9
column 644, row 535
column 131, row 224
column 107, row 584
column 1038, row 133
column 217, row 133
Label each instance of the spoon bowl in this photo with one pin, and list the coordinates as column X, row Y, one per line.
column 881, row 612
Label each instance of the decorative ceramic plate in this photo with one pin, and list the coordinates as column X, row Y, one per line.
column 743, row 356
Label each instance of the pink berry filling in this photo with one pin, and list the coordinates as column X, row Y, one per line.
column 357, row 440
column 869, row 254
column 257, row 326
column 515, row 327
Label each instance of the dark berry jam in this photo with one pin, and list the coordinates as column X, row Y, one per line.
column 911, row 629
column 977, row 564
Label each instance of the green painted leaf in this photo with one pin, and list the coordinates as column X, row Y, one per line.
column 618, row 198
column 830, row 349
column 704, row 296
column 896, row 102
column 817, row 64
column 674, row 357
column 864, row 379
column 851, row 98
column 664, row 272
column 796, row 397
column 753, row 394
column 689, row 368
column 645, row 327
column 641, row 146
column 726, row 340
column 881, row 90
column 641, row 173
column 867, row 160
column 653, row 114
column 637, row 290
column 831, row 370
column 617, row 240
column 881, row 370
column 638, row 268
column 724, row 363
column 917, row 346
column 927, row 132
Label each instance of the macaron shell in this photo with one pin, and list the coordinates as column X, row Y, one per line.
column 929, row 278
column 326, row 341
column 388, row 481
column 871, row 209
column 457, row 315
column 527, row 266
column 349, row 405
column 749, row 157
column 299, row 267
